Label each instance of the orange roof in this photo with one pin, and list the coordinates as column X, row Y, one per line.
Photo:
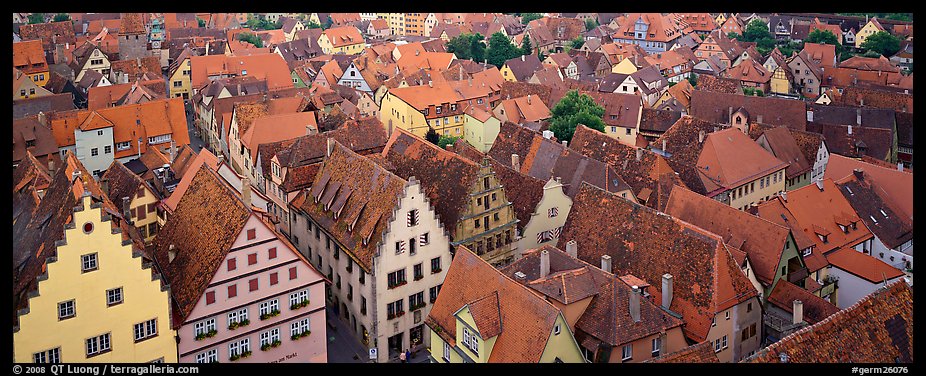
column 662, row 28
column 343, row 36
column 421, row 96
column 525, row 109
column 264, row 66
column 863, row 266
column 824, row 54
column 730, row 158
column 425, row 60
column 816, row 211
column 274, row 128
column 29, row 56
column 203, row 158
column 893, row 186
column 749, row 70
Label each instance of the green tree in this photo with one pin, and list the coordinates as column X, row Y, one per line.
column 500, row 49
column 313, row 25
column 526, row 48
column 590, row 24
column 572, row 110
column 432, row 136
column 446, row 140
column 467, row 46
column 251, row 38
column 756, row 30
column 734, row 35
column 35, row 18
column 528, row 17
column 62, row 17
column 883, row 43
column 201, row 22
column 577, row 43
column 822, row 36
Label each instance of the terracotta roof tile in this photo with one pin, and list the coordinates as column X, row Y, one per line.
column 700, row 353
column 123, row 182
column 864, row 266
column 887, row 225
column 31, row 130
column 46, row 104
column 187, row 172
column 340, row 36
column 526, row 319
column 880, row 63
column 785, row 148
column 879, row 327
column 371, row 193
column 639, row 239
column 875, row 142
column 719, row 84
column 267, row 66
column 524, row 67
column 683, row 151
column 895, row 187
column 815, row 308
column 858, row 96
column 50, row 33
column 715, row 107
column 659, row 121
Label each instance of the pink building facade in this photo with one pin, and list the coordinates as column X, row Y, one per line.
column 260, row 276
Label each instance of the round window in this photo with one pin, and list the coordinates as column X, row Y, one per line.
column 88, row 227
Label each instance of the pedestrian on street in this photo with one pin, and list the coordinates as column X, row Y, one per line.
column 408, row 355
column 402, row 357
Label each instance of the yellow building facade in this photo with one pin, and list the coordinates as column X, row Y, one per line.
column 779, row 83
column 180, row 81
column 347, row 49
column 758, row 190
column 397, row 113
column 865, row 32
column 507, row 74
column 113, row 310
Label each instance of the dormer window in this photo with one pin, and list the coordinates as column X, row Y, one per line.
column 437, row 110
column 823, row 238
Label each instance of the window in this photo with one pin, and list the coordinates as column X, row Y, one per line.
column 299, row 327
column 146, row 330
column 237, row 316
column 627, row 352
column 437, row 109
column 363, row 305
column 363, row 278
column 98, row 345
column 424, row 239
column 713, row 322
column 556, row 329
column 108, row 149
column 752, row 330
column 749, row 307
column 274, row 278
column 123, row 145
column 252, row 259
column 272, row 253
column 419, row 271
column 270, row 336
column 210, row 297
column 396, row 278
column 231, row 264
column 416, row 301
column 239, row 347
column 724, row 345
column 435, row 265
column 292, row 273
column 477, row 223
column 629, row 131
column 657, row 346
column 113, row 296
column 204, row 326
column 411, row 218
column 717, row 345
column 47, row 356
column 298, row 297
column 66, row 310
column 412, row 246
column 395, row 309
column 88, row 262
column 446, row 351
column 268, row 307
column 399, row 246
column 252, row 233
column 726, row 315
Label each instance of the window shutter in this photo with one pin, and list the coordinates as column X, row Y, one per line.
column 232, row 291
column 274, row 279
column 252, row 285
column 210, row 297
column 272, row 253
column 232, row 264
column 292, row 273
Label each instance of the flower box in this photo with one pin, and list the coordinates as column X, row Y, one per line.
column 201, row 336
column 273, row 313
column 295, row 337
column 301, row 304
column 403, row 283
column 417, row 306
column 434, row 271
column 276, row 343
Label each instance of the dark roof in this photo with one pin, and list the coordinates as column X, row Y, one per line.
column 843, row 115
column 649, row 244
column 904, row 122
column 815, row 308
column 373, row 193
column 31, row 130
column 653, row 120
column 445, row 177
column 524, row 66
column 874, row 142
column 299, row 49
column 607, row 318
column 715, row 107
column 879, row 328
column 543, row 159
column 683, row 149
column 719, row 84
column 642, row 175
column 611, row 82
column 784, row 147
column 47, row 104
column 202, row 229
column 523, row 191
column 50, row 33
column 886, row 224
column 122, row 182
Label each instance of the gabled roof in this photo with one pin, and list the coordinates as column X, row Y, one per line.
column 815, row 308
column 863, row 266
column 278, row 127
column 123, row 182
column 682, row 150
column 893, row 186
column 27, row 54
column 784, row 147
column 341, row 36
column 879, row 63
column 267, row 66
column 543, row 159
column 642, row 175
column 201, row 231
column 607, row 318
column 523, row 67
column 823, row 54
column 369, row 194
column 648, row 244
column 700, row 353
column 871, row 97
column 523, row 109
column 749, row 70
column 445, row 177
column 886, row 224
column 31, row 130
column 523, row 191
column 661, row 28
column 525, row 319
column 879, row 327
column 653, row 120
column 870, row 141
column 729, row 158
column 50, row 33
column 714, row 106
column 763, row 241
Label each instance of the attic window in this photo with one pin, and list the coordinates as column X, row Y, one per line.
column 883, row 213
column 244, row 72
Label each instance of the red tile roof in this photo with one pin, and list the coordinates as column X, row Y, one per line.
column 864, row 266
column 879, row 328
column 763, row 241
column 815, row 308
column 700, row 353
column 648, row 244
column 526, row 318
column 268, row 66
column 895, row 187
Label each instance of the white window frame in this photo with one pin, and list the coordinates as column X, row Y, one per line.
column 204, row 326
column 112, row 294
column 239, row 347
column 299, row 327
column 63, row 309
column 627, row 352
column 268, row 306
column 208, row 356
column 270, row 336
column 146, row 329
column 238, row 315
column 298, row 296
column 98, row 345
column 89, row 262
column 447, row 351
column 657, row 346
column 47, row 356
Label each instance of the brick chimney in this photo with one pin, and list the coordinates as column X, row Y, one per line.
column 858, row 117
column 798, row 309
column 51, row 164
column 663, row 144
column 635, row 303
column 666, row 291
column 516, row 162
column 639, row 154
column 544, row 263
column 330, row 146
column 606, row 263
column 104, row 186
column 126, row 211
column 700, row 137
column 246, row 192
column 572, row 248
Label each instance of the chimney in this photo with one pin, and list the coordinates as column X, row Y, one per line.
column 759, row 119
column 900, row 166
column 606, row 263
column 516, row 162
column 547, row 134
column 522, row 57
column 798, row 312
column 246, row 192
column 173, row 151
column 430, row 83
column 104, row 186
column 528, row 96
column 635, row 303
column 572, row 248
column 544, row 263
column 810, row 115
column 850, row 128
column 730, row 115
column 666, row 291
column 663, row 145
column 700, row 137
column 330, row 146
column 862, row 100
column 171, row 254
column 858, row 117
column 220, row 158
column 858, row 174
column 126, row 211
column 784, row 196
column 42, row 118
column 51, row 164
column 639, row 154
column 565, row 143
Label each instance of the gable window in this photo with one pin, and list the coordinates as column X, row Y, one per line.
column 399, row 246
column 88, row 263
column 556, row 329
column 252, row 233
column 657, row 346
column 66, row 310
column 626, row 352
column 411, row 218
column 232, row 264
column 446, row 352
column 424, row 239
column 552, row 212
column 113, row 296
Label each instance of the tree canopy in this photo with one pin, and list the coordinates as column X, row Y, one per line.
column 35, row 18
column 446, row 140
column 526, row 48
column 572, row 110
column 577, row 43
column 201, row 22
column 590, row 24
column 255, row 23
column 251, row 38
column 500, row 49
column 468, row 46
column 756, row 31
column 62, row 17
column 528, row 17
column 883, row 43
column 432, row 136
column 313, row 25
column 822, row 36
